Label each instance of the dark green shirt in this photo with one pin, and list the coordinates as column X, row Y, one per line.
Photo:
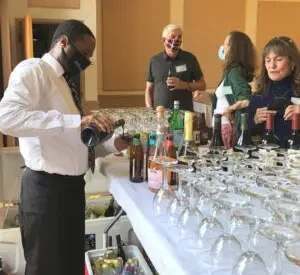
column 185, row 66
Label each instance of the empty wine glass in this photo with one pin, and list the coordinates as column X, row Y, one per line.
column 191, row 217
column 227, row 244
column 282, row 235
column 292, row 252
column 250, row 261
column 165, row 194
column 179, row 202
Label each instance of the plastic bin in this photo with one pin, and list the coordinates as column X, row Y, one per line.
column 131, row 251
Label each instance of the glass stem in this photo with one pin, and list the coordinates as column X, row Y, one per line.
column 179, row 185
column 252, row 238
column 279, row 254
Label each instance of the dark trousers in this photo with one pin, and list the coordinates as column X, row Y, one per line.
column 52, row 223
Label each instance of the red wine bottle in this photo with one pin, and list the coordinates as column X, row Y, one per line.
column 217, row 140
column 269, row 140
column 91, row 136
column 293, row 141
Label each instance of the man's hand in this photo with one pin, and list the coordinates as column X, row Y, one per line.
column 177, row 84
column 121, row 144
column 104, row 123
column 261, row 115
column 290, row 111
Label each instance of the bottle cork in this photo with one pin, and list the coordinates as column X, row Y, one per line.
column 160, row 112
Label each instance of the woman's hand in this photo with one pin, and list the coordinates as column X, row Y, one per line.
column 261, row 115
column 202, row 97
column 290, row 111
column 228, row 114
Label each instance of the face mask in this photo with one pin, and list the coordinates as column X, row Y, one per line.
column 173, row 44
column 221, row 53
column 77, row 63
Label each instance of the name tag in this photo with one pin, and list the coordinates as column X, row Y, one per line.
column 181, row 68
column 295, row 100
column 227, row 90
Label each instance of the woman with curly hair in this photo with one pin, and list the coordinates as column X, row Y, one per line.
column 234, row 92
column 278, row 88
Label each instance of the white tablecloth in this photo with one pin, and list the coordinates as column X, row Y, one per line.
column 161, row 246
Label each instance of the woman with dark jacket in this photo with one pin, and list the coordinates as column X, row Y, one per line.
column 278, row 88
column 234, row 91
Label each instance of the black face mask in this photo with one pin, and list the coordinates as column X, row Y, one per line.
column 77, row 63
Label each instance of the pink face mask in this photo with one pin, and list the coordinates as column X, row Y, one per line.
column 173, row 44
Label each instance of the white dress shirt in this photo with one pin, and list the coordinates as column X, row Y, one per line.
column 38, row 108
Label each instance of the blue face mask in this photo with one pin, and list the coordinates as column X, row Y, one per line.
column 221, row 53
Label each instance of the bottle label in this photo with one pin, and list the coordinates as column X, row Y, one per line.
column 155, row 178
column 196, row 137
column 203, row 137
column 177, row 137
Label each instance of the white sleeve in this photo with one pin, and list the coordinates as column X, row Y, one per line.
column 20, row 113
column 105, row 148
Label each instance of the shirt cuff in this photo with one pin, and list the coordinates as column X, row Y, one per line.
column 71, row 122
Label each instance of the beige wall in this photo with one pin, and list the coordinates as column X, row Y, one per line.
column 139, row 24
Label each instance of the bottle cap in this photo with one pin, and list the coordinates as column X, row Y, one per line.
column 176, row 102
column 169, row 137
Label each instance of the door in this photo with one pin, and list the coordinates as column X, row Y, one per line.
column 28, row 37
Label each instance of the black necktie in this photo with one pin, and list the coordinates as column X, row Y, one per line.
column 77, row 100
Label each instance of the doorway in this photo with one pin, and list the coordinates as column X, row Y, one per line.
column 42, row 33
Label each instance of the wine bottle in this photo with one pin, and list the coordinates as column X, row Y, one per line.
column 176, row 125
column 170, row 75
column 170, row 152
column 217, row 140
column 269, row 140
column 196, row 129
column 155, row 170
column 204, row 132
column 200, row 130
column 91, row 136
column 244, row 141
column 185, row 152
column 136, row 160
column 293, row 141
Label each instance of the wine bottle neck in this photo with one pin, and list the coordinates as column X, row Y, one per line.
column 136, row 142
column 188, row 126
column 270, row 122
column 296, row 122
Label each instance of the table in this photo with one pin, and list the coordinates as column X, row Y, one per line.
column 136, row 200
column 161, row 247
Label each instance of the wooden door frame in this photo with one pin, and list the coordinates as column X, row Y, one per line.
column 55, row 21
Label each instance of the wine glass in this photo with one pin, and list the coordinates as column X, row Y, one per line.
column 179, row 202
column 191, row 217
column 227, row 244
column 282, row 235
column 292, row 252
column 165, row 194
column 250, row 261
